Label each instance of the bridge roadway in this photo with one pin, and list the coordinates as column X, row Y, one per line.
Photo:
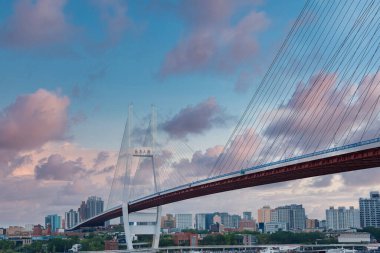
column 359, row 156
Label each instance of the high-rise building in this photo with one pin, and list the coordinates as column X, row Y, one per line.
column 342, row 218
column 200, row 221
column 247, row 215
column 82, row 210
column 235, row 220
column 209, row 220
column 263, row 214
column 226, row 220
column 54, row 221
column 370, row 210
column 184, row 221
column 293, row 215
column 71, row 218
column 322, row 224
column 94, row 206
column 312, row 223
column 168, row 221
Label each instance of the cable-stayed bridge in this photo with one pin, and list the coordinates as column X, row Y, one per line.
column 315, row 112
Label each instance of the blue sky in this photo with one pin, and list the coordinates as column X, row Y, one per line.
column 69, row 70
column 104, row 55
column 127, row 71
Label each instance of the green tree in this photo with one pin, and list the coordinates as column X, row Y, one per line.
column 34, row 247
column 166, row 240
column 5, row 245
column 93, row 243
column 375, row 232
column 59, row 244
column 216, row 239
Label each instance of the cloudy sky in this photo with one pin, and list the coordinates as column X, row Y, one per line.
column 69, row 70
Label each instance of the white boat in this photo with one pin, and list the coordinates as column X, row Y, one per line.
column 342, row 250
column 270, row 250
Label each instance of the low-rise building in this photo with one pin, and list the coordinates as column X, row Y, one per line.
column 249, row 225
column 3, row 233
column 249, row 239
column 217, row 228
column 15, row 230
column 185, row 239
column 354, row 238
column 111, row 245
column 273, row 227
column 37, row 230
column 29, row 227
column 26, row 240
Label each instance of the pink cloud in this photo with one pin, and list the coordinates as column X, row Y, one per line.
column 198, row 13
column 37, row 23
column 200, row 164
column 50, row 179
column 237, row 155
column 56, row 167
column 40, row 198
column 192, row 53
column 33, row 120
column 321, row 117
column 195, row 119
column 101, row 158
column 213, row 41
column 323, row 112
column 43, row 24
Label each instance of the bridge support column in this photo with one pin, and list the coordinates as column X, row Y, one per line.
column 156, row 236
column 127, row 231
column 141, row 223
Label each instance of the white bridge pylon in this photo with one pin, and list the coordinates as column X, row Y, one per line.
column 140, row 223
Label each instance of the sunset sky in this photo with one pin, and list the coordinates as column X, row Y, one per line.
column 69, row 70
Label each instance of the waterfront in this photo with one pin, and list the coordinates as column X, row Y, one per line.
column 275, row 248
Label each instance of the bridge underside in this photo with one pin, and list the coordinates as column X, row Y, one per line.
column 364, row 159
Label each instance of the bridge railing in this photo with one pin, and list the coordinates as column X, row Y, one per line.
column 261, row 166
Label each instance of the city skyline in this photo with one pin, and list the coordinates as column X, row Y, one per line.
column 341, row 218
column 66, row 91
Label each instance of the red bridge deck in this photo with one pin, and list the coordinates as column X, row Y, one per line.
column 359, row 160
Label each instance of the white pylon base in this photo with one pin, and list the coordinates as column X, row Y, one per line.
column 141, row 223
column 127, row 231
